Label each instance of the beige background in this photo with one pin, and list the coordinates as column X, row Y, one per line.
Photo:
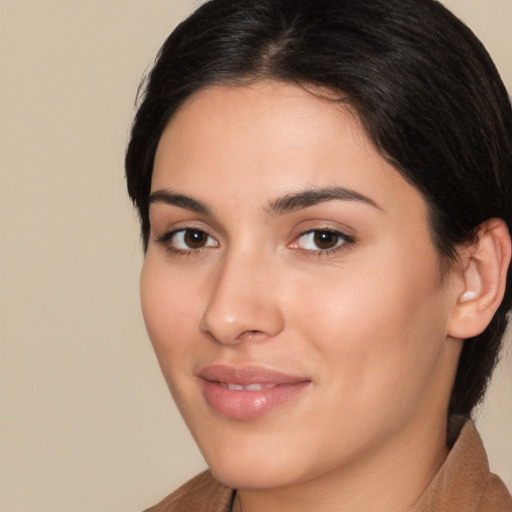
column 86, row 423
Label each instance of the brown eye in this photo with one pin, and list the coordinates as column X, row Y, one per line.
column 188, row 240
column 321, row 241
column 325, row 239
column 195, row 239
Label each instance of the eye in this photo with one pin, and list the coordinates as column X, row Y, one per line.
column 321, row 240
column 187, row 240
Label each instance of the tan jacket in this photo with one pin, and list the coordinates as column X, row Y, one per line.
column 462, row 484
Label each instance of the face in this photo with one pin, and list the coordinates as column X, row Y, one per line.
column 291, row 289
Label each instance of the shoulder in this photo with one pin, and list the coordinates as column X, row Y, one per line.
column 495, row 496
column 202, row 493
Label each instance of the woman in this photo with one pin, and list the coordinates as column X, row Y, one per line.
column 324, row 193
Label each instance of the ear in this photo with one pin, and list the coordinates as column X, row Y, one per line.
column 482, row 280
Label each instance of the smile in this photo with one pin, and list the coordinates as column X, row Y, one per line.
column 250, row 392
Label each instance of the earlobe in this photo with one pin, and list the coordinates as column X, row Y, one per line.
column 483, row 279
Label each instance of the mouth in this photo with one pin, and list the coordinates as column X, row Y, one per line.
column 249, row 392
column 249, row 387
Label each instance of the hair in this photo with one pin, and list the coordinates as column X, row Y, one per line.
column 425, row 89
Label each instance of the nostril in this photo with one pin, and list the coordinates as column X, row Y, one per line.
column 252, row 334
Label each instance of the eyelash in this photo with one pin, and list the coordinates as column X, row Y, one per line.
column 343, row 242
column 167, row 239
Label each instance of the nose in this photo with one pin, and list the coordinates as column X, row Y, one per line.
column 244, row 302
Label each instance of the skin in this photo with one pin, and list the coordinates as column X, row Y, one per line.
column 368, row 321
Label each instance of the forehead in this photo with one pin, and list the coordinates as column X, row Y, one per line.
column 270, row 139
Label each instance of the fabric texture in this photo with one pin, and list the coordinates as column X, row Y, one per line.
column 201, row 494
column 462, row 484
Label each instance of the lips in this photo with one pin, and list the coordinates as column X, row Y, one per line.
column 249, row 392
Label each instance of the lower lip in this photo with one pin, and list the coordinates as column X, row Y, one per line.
column 248, row 405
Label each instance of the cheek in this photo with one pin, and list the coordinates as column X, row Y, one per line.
column 376, row 329
column 170, row 314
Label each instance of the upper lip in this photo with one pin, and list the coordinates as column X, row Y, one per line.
column 247, row 375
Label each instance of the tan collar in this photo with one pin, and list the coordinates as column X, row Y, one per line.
column 464, row 482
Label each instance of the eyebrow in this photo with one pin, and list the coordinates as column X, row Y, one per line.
column 280, row 206
column 179, row 200
column 297, row 201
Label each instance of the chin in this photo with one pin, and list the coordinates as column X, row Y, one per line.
column 259, row 464
column 248, row 476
